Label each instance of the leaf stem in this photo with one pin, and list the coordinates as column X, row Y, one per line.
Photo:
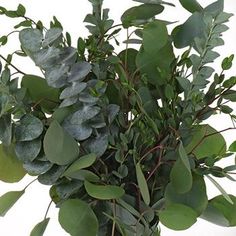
column 30, row 184
column 49, row 205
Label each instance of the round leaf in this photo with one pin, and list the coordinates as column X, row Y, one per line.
column 11, row 169
column 59, row 147
column 178, row 217
column 77, row 218
column 105, row 192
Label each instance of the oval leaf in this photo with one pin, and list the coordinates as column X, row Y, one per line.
column 178, row 217
column 40, row 228
column 77, row 218
column 59, row 147
column 8, row 200
column 191, row 5
column 142, row 183
column 106, row 192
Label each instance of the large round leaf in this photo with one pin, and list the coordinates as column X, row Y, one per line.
column 39, row 91
column 104, row 192
column 11, row 169
column 219, row 211
column 178, row 217
column 77, row 218
column 196, row 198
column 206, row 141
column 59, row 147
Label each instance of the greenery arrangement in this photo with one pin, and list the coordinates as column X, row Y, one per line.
column 121, row 137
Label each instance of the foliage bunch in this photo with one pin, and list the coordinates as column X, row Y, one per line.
column 121, row 138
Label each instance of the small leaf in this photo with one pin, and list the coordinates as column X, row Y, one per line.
column 29, row 128
column 8, row 200
column 20, row 10
column 77, row 218
column 3, row 40
column 142, row 183
column 178, row 217
column 59, row 146
column 103, row 192
column 82, row 163
column 40, row 228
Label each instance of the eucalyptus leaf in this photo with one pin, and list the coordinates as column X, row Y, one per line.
column 79, row 71
column 75, row 89
column 51, row 36
column 6, row 129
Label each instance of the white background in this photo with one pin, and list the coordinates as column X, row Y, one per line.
column 32, row 206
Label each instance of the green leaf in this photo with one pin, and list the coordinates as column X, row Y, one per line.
column 73, row 90
column 79, row 71
column 29, row 128
column 6, row 129
column 184, row 37
column 218, row 186
column 8, row 200
column 31, row 40
column 51, row 36
column 11, row 169
column 232, row 147
column 3, row 40
column 215, row 8
column 25, row 23
column 82, row 163
column 28, row 150
column 103, row 192
column 37, row 167
column 196, row 198
column 40, row 92
column 40, row 228
column 227, row 62
column 59, row 147
column 77, row 218
column 205, row 142
column 83, row 175
column 191, row 5
column 20, row 10
column 219, row 211
column 142, row 183
column 181, row 176
column 140, row 14
column 178, row 217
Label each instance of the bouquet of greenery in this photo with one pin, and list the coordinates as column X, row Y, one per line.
column 121, row 137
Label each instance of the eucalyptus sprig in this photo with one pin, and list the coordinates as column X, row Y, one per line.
column 120, row 136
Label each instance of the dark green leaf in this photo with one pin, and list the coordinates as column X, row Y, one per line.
column 232, row 147
column 25, row 23
column 142, row 183
column 77, row 218
column 83, row 175
column 37, row 167
column 178, row 217
column 221, row 212
column 6, row 129
column 40, row 228
column 181, row 176
column 29, row 128
column 3, row 40
column 140, row 14
column 20, row 10
column 28, row 150
column 65, row 189
column 59, row 146
column 8, row 200
column 11, row 169
column 191, row 5
column 104, row 192
column 40, row 92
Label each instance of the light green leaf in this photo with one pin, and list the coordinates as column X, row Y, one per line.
column 140, row 14
column 40, row 228
column 82, row 163
column 31, row 39
column 178, row 217
column 142, row 183
column 181, row 176
column 103, row 192
column 8, row 200
column 59, row 147
column 205, row 142
column 11, row 169
column 28, row 150
column 77, row 218
column 196, row 198
column 40, row 92
column 29, row 128
column 219, row 211
column 225, row 195
column 51, row 36
column 191, row 5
